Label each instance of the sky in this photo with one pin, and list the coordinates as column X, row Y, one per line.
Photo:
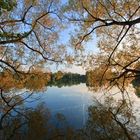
column 90, row 47
column 64, row 38
column 75, row 69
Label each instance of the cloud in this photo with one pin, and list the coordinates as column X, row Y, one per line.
column 75, row 69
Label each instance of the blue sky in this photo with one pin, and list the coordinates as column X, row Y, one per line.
column 90, row 47
column 64, row 38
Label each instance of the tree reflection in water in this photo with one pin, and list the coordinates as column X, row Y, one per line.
column 110, row 120
column 20, row 123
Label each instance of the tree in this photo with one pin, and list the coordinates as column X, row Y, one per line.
column 116, row 24
column 29, row 34
column 95, row 79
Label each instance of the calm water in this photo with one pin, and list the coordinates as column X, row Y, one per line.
column 73, row 102
column 70, row 104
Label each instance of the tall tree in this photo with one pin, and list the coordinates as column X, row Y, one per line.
column 29, row 34
column 116, row 24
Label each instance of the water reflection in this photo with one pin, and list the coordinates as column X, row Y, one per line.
column 71, row 113
column 109, row 121
column 72, row 102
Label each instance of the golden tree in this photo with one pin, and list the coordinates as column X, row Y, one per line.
column 116, row 24
column 29, row 34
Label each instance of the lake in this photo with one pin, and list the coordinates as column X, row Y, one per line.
column 68, row 107
column 72, row 102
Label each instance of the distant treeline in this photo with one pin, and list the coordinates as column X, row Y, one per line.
column 66, row 79
column 37, row 80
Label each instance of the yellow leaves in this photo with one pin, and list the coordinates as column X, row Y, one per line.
column 37, row 81
column 30, row 2
column 34, row 81
column 97, row 78
column 6, row 80
column 113, row 3
column 46, row 21
column 130, row 6
column 87, row 3
column 100, row 10
column 69, row 59
column 58, row 75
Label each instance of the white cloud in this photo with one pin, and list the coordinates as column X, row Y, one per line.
column 75, row 69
